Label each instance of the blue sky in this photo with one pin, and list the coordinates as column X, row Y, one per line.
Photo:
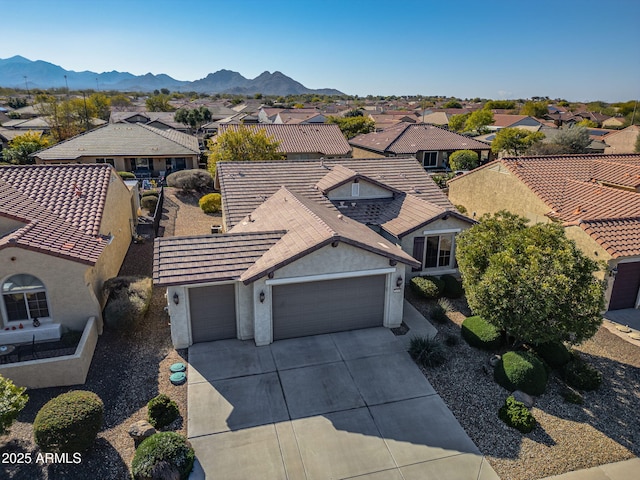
column 573, row 49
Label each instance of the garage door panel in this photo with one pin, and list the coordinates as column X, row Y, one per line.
column 625, row 286
column 328, row 306
column 213, row 313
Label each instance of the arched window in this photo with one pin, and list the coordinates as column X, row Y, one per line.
column 24, row 297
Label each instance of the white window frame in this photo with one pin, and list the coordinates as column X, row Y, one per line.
column 23, row 291
column 355, row 188
column 440, row 233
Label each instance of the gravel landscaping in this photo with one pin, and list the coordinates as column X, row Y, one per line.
column 569, row 437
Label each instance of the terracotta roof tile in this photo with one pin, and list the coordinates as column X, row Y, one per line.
column 324, row 139
column 409, row 138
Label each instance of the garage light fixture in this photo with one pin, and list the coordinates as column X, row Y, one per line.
column 399, row 282
column 613, row 272
column 261, row 296
column 176, row 298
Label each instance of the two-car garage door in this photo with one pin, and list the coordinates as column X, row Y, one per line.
column 314, row 308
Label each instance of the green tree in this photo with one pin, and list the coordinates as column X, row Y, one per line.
column 535, row 109
column 159, row 103
column 463, row 160
column 100, row 104
column 514, row 141
column 12, row 401
column 452, row 104
column 352, row 126
column 500, row 104
column 574, row 139
column 120, row 102
column 193, row 118
column 532, row 281
column 66, row 117
column 241, row 145
column 478, row 121
column 22, row 146
column 587, row 123
column 457, row 122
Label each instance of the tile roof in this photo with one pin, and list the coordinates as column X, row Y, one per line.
column 506, row 120
column 120, row 139
column 245, row 185
column 579, row 191
column 303, row 138
column 295, row 117
column 45, row 231
column 409, row 138
column 168, row 118
column 309, row 226
column 198, row 259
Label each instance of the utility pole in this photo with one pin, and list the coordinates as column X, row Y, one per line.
column 97, row 86
column 26, row 85
column 67, row 85
column 633, row 115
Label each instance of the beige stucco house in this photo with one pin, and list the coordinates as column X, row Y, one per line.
column 310, row 247
column 595, row 197
column 622, row 141
column 128, row 147
column 64, row 230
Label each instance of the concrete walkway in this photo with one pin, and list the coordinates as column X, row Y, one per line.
column 626, row 470
column 624, row 323
column 339, row 406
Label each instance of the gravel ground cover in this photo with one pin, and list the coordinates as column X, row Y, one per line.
column 127, row 370
column 569, row 437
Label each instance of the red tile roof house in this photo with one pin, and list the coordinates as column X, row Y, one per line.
column 130, row 147
column 310, row 247
column 430, row 144
column 64, row 230
column 303, row 141
column 595, row 197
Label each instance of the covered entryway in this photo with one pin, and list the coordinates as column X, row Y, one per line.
column 625, row 286
column 213, row 313
column 313, row 308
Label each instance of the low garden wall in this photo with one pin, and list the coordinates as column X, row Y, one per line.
column 57, row 371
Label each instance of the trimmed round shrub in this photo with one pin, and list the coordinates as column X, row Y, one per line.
column 428, row 287
column 554, row 353
column 151, row 191
column 210, row 203
column 128, row 300
column 463, row 160
column 149, row 202
column 427, row 352
column 581, row 375
column 452, row 287
column 195, row 179
column 127, row 175
column 69, row 422
column 521, row 371
column 517, row 415
column 163, row 455
column 161, row 411
column 481, row 334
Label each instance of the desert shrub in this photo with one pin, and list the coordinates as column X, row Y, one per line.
column 451, row 340
column 69, row 422
column 554, row 353
column 210, row 203
column 428, row 287
column 439, row 311
column 521, row 371
column 165, row 453
column 12, row 401
column 127, row 300
column 195, row 179
column 427, row 352
column 463, row 160
column 517, row 415
column 452, row 287
column 151, row 191
column 127, row 175
column 581, row 375
column 161, row 411
column 149, row 202
column 481, row 334
column 461, row 208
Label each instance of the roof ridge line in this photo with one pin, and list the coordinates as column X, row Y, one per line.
column 311, row 212
column 164, row 134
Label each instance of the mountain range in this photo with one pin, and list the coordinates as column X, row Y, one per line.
column 20, row 72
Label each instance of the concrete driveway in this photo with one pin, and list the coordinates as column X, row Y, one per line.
column 336, row 406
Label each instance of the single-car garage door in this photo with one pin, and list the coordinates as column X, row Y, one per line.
column 213, row 313
column 625, row 286
column 314, row 308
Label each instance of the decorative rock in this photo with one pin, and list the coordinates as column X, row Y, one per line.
column 623, row 328
column 634, row 335
column 494, row 359
column 141, row 430
column 524, row 398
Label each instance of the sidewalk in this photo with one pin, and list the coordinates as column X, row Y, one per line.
column 625, row 470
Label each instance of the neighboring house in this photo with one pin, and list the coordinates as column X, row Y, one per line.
column 303, row 142
column 310, row 247
column 436, row 118
column 389, row 119
column 212, row 128
column 430, row 144
column 64, row 230
column 8, row 134
column 595, row 197
column 130, row 147
column 523, row 122
column 290, row 115
column 160, row 120
column 622, row 141
column 614, row 122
